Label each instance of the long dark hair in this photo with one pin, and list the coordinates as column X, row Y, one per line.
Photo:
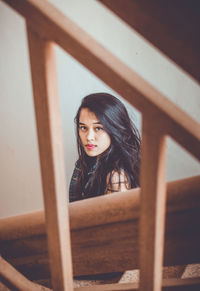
column 122, row 154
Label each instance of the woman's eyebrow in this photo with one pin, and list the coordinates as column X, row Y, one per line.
column 98, row 122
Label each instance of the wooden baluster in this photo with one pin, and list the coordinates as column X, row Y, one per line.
column 15, row 280
column 153, row 205
column 43, row 67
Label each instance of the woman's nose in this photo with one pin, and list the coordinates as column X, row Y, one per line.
column 90, row 135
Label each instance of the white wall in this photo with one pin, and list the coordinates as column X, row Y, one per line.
column 19, row 164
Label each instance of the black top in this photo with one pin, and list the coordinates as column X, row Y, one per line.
column 77, row 192
column 80, row 187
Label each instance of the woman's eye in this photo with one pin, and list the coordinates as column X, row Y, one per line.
column 98, row 128
column 82, row 128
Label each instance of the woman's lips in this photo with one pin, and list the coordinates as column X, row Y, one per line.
column 90, row 146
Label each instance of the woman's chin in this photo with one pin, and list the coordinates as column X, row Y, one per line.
column 91, row 154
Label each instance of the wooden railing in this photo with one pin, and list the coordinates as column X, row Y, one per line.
column 160, row 117
column 171, row 27
column 106, row 225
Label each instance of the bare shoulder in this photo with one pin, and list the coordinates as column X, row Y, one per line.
column 117, row 182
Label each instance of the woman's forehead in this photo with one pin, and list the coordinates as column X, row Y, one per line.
column 87, row 116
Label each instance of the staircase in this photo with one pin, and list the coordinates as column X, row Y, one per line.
column 160, row 118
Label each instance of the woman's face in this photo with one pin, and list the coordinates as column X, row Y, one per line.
column 95, row 140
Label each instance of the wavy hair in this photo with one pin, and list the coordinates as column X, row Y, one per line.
column 123, row 152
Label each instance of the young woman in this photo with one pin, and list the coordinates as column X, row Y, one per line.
column 108, row 148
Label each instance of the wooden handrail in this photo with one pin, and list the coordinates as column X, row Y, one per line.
column 52, row 25
column 102, row 210
column 172, row 27
column 106, row 225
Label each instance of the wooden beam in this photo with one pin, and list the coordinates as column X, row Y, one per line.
column 53, row 25
column 181, row 195
column 153, row 205
column 173, row 28
column 100, row 228
column 12, row 278
column 43, row 68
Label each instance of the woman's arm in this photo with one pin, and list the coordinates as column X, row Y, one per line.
column 118, row 182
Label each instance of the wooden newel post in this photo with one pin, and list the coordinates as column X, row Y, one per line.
column 44, row 80
column 153, row 205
